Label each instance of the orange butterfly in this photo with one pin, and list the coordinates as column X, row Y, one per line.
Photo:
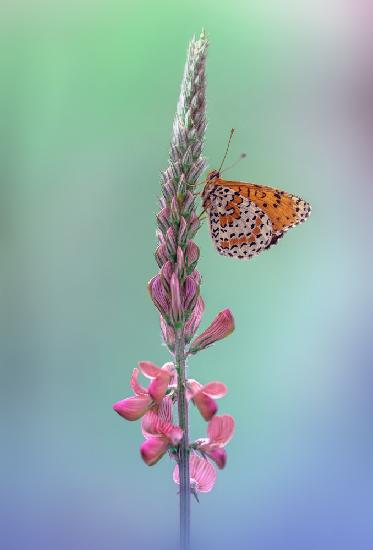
column 246, row 218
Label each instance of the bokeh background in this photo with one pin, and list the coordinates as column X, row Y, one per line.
column 87, row 96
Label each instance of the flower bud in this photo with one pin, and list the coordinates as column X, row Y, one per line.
column 180, row 264
column 176, row 305
column 188, row 203
column 182, row 185
column 165, row 273
column 168, row 191
column 190, row 292
column 174, row 210
column 182, row 231
column 193, row 225
column 196, row 168
column 161, row 255
column 171, row 242
column 191, row 256
column 159, row 296
column 192, row 324
column 163, row 217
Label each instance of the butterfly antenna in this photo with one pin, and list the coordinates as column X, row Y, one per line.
column 227, row 149
column 242, row 156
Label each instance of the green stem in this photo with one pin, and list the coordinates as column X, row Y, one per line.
column 184, row 444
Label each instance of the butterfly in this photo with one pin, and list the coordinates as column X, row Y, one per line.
column 245, row 218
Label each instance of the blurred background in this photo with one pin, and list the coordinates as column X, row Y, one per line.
column 87, row 97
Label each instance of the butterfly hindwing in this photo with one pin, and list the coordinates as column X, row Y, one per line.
column 239, row 228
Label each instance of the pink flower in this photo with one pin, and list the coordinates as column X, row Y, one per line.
column 222, row 326
column 203, row 396
column 159, row 432
column 144, row 399
column 202, row 474
column 220, row 431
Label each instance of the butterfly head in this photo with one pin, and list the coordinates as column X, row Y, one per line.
column 212, row 176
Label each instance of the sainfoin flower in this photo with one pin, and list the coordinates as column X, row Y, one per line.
column 159, row 433
column 202, row 474
column 220, row 431
column 144, row 399
column 204, row 396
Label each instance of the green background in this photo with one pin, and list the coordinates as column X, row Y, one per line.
column 87, row 97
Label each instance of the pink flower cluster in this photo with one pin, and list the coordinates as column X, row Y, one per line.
column 155, row 403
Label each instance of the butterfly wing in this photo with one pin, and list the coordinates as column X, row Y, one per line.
column 238, row 227
column 283, row 209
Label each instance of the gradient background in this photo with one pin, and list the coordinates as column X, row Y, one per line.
column 88, row 92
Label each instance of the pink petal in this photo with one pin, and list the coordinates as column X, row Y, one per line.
column 202, row 474
column 190, row 292
column 196, row 277
column 176, row 475
column 173, row 433
column 161, row 257
column 222, row 326
column 220, row 429
column 149, row 369
column 166, row 272
column 219, row 456
column 192, row 324
column 168, row 334
column 182, row 226
column 176, row 306
column 133, row 408
column 160, row 423
column 191, row 254
column 188, row 203
column 158, row 387
column 153, row 422
column 193, row 225
column 192, row 387
column 137, row 388
column 215, row 389
column 163, row 217
column 206, row 406
column 165, row 409
column 149, row 424
column 171, row 241
column 180, row 262
column 170, row 368
column 153, row 449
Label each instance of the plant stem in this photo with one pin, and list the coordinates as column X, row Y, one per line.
column 184, row 444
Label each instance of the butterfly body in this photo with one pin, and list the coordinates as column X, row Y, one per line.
column 247, row 218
